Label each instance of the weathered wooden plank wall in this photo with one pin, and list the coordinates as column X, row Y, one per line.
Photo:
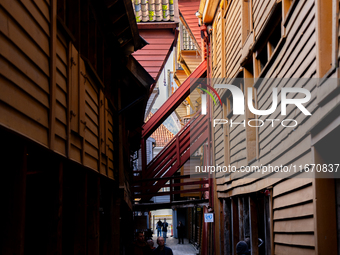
column 293, row 203
column 233, row 38
column 83, row 121
column 261, row 10
column 24, row 69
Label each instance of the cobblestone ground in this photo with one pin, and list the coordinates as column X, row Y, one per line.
column 178, row 249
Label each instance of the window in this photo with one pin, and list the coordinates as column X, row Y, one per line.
column 262, row 59
column 187, row 42
column 274, row 40
column 267, row 42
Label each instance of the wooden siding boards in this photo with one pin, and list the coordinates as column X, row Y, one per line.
column 83, row 121
column 24, row 71
column 217, row 47
column 61, row 95
column 294, row 216
column 290, row 50
column 233, row 38
column 261, row 10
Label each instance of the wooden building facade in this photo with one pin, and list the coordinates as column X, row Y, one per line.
column 254, row 39
column 72, row 101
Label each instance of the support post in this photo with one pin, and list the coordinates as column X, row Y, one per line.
column 234, row 224
column 13, row 194
column 171, row 188
column 80, row 231
column 93, row 215
column 253, row 226
column 54, row 234
column 53, row 70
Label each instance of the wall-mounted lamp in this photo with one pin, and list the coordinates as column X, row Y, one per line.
column 209, row 29
column 199, row 16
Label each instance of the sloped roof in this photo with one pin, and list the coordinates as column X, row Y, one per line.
column 188, row 10
column 154, row 55
column 154, row 10
column 162, row 135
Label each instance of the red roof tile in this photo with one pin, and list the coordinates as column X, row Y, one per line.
column 162, row 135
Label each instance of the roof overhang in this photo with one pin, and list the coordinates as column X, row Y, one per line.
column 157, row 25
column 161, row 38
column 137, row 83
column 208, row 10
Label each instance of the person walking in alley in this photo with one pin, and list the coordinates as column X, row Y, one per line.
column 180, row 229
column 159, row 228
column 162, row 249
column 242, row 248
column 165, row 230
column 140, row 247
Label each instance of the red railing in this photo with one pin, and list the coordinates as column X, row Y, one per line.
column 178, row 150
column 172, row 157
column 173, row 101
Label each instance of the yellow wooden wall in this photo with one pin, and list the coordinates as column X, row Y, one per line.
column 73, row 110
column 24, row 102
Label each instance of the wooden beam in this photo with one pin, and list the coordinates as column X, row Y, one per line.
column 209, row 11
column 253, row 226
column 157, row 25
column 324, row 37
column 174, row 204
column 234, row 224
column 240, row 218
column 227, row 227
column 173, row 177
column 173, row 102
column 135, row 189
column 168, row 193
column 53, row 70
column 132, row 23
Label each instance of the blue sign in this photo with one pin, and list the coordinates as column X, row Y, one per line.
column 208, row 217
